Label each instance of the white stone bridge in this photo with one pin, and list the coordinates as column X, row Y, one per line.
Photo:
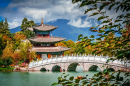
column 69, row 63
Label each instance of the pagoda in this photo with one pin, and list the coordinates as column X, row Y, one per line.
column 44, row 42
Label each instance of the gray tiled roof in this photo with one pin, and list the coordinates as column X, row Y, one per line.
column 50, row 49
column 47, row 39
column 44, row 27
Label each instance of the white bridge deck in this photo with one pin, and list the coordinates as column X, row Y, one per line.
column 79, row 59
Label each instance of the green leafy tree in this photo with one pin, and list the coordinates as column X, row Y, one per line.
column 25, row 24
column 4, row 27
column 118, row 46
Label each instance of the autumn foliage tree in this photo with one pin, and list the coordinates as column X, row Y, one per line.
column 106, row 42
column 6, row 59
column 25, row 52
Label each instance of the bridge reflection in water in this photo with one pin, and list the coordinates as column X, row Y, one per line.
column 72, row 63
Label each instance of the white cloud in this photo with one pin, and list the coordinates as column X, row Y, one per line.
column 80, row 23
column 34, row 13
column 15, row 23
column 50, row 10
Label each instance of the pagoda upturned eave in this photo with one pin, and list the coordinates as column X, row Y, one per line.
column 51, row 39
column 50, row 49
column 43, row 27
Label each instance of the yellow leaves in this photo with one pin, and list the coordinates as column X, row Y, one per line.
column 16, row 54
column 8, row 51
column 19, row 36
column 61, row 44
column 107, row 44
column 25, row 51
column 32, row 55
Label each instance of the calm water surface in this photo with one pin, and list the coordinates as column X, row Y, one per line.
column 34, row 78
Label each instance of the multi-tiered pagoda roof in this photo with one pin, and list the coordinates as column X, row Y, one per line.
column 43, row 27
column 50, row 49
column 46, row 39
column 43, row 42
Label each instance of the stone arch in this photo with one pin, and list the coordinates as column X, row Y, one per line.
column 88, row 65
column 94, row 68
column 109, row 69
column 56, row 68
column 43, row 69
column 39, row 68
column 72, row 66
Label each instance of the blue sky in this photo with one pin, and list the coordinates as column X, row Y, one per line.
column 51, row 11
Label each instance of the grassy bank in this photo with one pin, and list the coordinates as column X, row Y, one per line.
column 6, row 69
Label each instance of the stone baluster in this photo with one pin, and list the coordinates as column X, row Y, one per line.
column 51, row 58
column 61, row 57
column 33, row 63
column 94, row 57
column 37, row 61
column 99, row 57
column 46, row 60
column 56, row 57
column 42, row 61
column 77, row 57
column 85, row 55
column 67, row 57
column 72, row 56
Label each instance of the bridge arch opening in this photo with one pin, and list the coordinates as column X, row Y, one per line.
column 109, row 69
column 43, row 69
column 56, row 68
column 94, row 68
column 75, row 67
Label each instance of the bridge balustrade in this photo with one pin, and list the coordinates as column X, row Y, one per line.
column 77, row 58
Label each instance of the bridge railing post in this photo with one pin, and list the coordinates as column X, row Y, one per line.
column 77, row 56
column 56, row 58
column 94, row 57
column 33, row 63
column 88, row 57
column 37, row 61
column 67, row 57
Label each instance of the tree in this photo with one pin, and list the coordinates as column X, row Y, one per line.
column 29, row 33
column 6, row 59
column 25, row 24
column 115, row 27
column 2, row 45
column 4, row 27
column 118, row 46
column 8, row 51
column 18, row 36
column 25, row 52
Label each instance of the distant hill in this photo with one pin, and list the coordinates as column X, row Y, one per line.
column 16, row 29
column 64, row 30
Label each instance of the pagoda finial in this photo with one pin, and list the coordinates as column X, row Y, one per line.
column 42, row 20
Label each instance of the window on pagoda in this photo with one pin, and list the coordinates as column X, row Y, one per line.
column 48, row 44
column 52, row 45
column 45, row 45
column 45, row 35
